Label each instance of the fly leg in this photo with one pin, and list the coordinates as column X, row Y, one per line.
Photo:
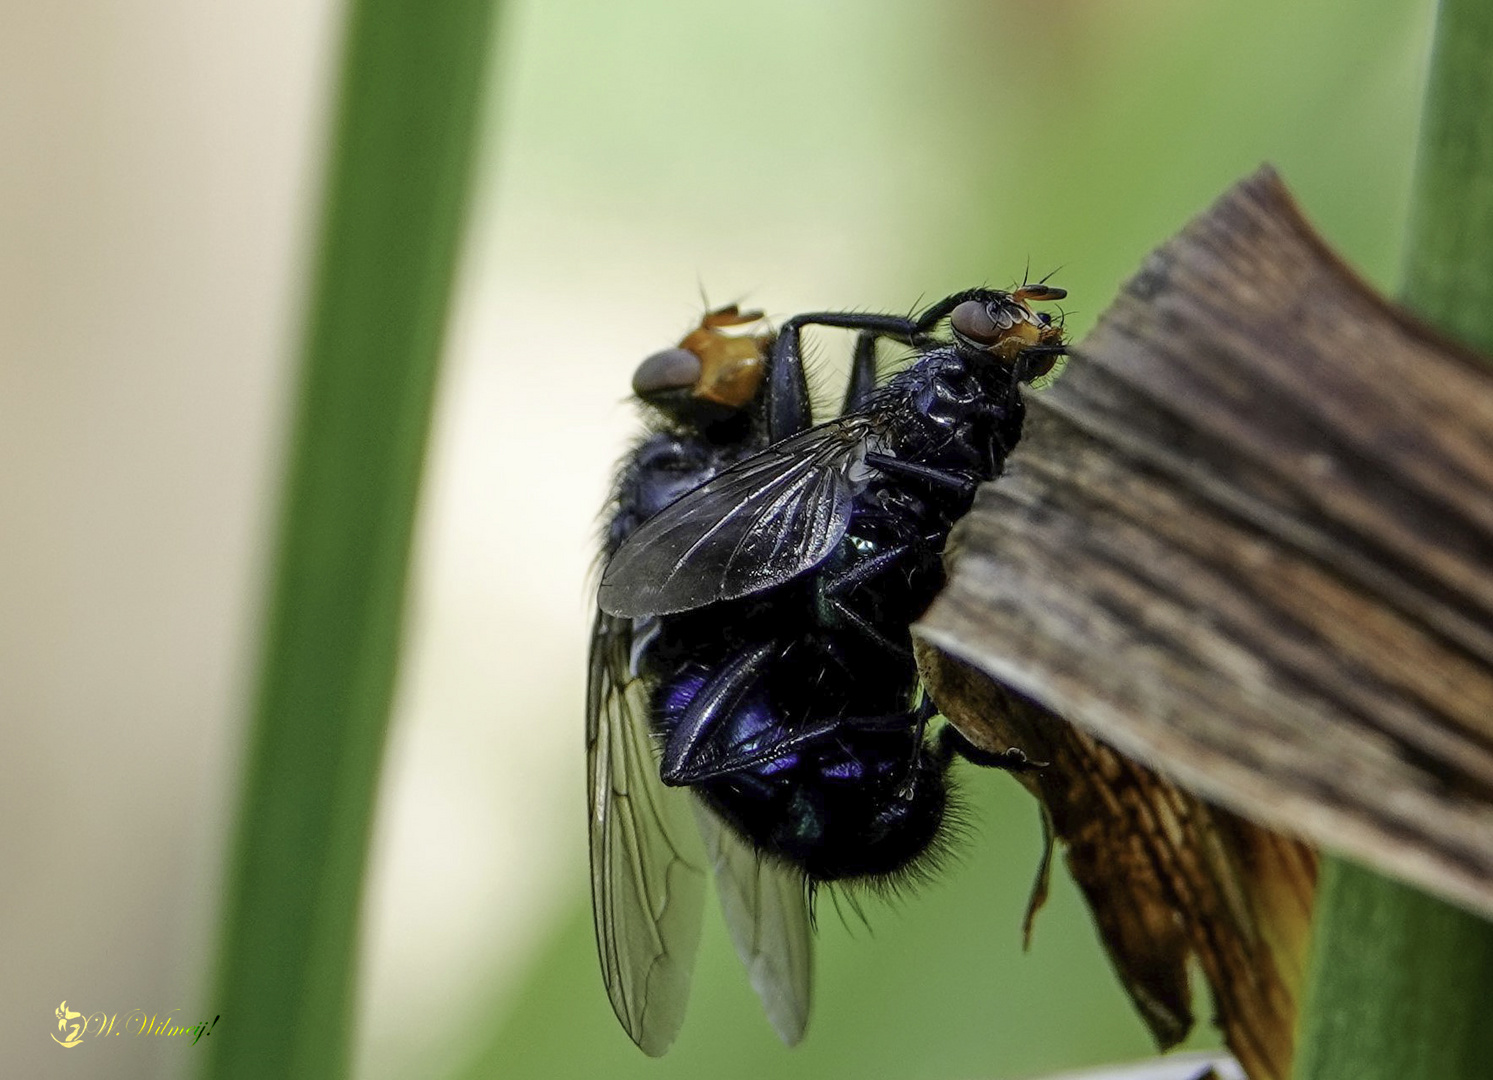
column 916, row 718
column 862, row 373
column 1014, row 759
column 788, row 410
column 938, row 478
column 833, row 594
column 924, row 712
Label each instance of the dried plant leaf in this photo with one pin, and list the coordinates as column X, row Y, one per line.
column 1246, row 541
column 1166, row 876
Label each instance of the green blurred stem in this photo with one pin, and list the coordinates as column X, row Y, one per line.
column 1401, row 986
column 396, row 184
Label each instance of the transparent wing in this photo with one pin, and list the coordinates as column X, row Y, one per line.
column 763, row 521
column 767, row 913
column 647, row 867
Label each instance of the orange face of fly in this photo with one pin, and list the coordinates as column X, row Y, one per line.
column 732, row 366
column 708, row 364
column 1006, row 326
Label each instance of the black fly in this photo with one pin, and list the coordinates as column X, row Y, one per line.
column 752, row 641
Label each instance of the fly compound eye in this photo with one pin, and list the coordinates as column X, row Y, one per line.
column 670, row 370
column 973, row 320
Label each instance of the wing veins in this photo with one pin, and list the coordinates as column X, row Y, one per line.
column 647, row 890
column 676, row 561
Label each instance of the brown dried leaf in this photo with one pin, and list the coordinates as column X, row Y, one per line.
column 1166, row 876
column 1246, row 540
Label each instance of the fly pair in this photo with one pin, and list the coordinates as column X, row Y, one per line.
column 751, row 677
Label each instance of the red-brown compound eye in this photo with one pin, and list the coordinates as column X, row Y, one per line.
column 972, row 319
column 670, row 370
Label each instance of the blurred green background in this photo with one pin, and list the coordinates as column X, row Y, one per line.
column 794, row 156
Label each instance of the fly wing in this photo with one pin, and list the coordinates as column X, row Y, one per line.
column 767, row 913
column 647, row 868
column 762, row 522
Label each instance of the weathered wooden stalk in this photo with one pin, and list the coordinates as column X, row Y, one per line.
column 1246, row 541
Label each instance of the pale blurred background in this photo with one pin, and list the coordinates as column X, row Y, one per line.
column 158, row 170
